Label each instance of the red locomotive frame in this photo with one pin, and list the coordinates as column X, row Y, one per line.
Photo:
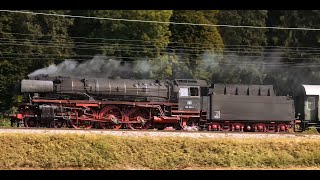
column 109, row 114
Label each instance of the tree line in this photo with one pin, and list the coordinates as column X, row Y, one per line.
column 283, row 58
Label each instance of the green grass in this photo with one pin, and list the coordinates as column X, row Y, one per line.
column 5, row 122
column 30, row 151
column 311, row 131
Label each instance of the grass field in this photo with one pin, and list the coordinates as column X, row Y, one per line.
column 5, row 122
column 30, row 151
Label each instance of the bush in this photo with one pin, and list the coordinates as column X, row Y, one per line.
column 5, row 122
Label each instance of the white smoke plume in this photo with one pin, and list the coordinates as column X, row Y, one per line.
column 229, row 68
column 99, row 67
column 210, row 60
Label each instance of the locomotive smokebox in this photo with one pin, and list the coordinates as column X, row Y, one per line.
column 30, row 86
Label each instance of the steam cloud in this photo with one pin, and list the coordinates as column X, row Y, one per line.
column 228, row 68
column 99, row 67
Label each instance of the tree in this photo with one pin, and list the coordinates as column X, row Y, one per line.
column 298, row 62
column 41, row 39
column 244, row 47
column 190, row 43
column 136, row 39
column 29, row 42
column 232, row 71
column 244, row 41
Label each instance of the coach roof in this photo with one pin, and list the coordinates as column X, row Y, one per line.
column 311, row 89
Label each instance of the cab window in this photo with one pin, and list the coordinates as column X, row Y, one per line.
column 194, row 91
column 187, row 92
column 184, row 92
column 311, row 103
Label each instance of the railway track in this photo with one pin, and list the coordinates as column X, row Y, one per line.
column 157, row 133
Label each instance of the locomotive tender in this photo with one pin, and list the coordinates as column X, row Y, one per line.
column 189, row 104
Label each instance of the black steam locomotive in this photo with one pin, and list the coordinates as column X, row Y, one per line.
column 189, row 104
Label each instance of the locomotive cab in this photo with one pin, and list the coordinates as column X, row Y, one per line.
column 189, row 98
column 189, row 93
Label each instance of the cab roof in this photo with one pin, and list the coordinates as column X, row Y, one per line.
column 191, row 82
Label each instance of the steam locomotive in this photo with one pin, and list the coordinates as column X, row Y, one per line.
column 180, row 104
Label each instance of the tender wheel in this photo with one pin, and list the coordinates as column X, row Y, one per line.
column 225, row 127
column 282, row 128
column 214, row 127
column 260, row 127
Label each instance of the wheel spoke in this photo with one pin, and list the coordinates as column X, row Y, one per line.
column 142, row 115
column 114, row 115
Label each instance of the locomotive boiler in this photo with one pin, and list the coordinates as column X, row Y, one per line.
column 97, row 88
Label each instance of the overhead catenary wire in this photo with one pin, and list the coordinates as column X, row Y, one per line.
column 180, row 60
column 108, row 39
column 52, row 14
column 219, row 63
column 9, row 55
column 273, row 48
column 159, row 22
column 84, row 45
column 119, row 48
column 143, row 49
column 96, row 46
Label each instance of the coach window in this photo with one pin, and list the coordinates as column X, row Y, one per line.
column 311, row 105
column 194, row 91
column 184, row 92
